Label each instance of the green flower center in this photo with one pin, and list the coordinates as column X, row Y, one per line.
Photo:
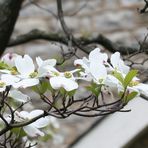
column 67, row 74
column 33, row 74
column 56, row 74
column 2, row 84
column 100, row 80
column 14, row 71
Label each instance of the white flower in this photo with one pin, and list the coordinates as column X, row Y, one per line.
column 41, row 63
column 33, row 129
column 98, row 71
column 113, row 85
column 7, row 80
column 135, row 85
column 94, row 66
column 18, row 96
column 98, row 57
column 9, row 59
column 26, row 70
column 64, row 80
column 118, row 63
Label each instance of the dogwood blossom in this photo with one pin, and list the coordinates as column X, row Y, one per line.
column 94, row 66
column 64, row 80
column 33, row 129
column 118, row 63
column 9, row 59
column 18, row 96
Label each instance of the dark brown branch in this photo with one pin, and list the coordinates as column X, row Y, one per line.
column 143, row 10
column 83, row 41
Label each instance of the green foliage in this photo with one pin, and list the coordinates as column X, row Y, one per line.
column 4, row 65
column 19, row 132
column 95, row 88
column 118, row 76
column 128, row 78
column 42, row 87
column 131, row 96
column 46, row 137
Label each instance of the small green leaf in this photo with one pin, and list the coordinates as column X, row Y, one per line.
column 131, row 74
column 71, row 93
column 119, row 77
column 4, row 65
column 131, row 96
column 43, row 86
column 35, row 89
column 46, row 137
column 94, row 88
column 18, row 131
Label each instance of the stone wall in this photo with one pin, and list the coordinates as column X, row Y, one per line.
column 117, row 19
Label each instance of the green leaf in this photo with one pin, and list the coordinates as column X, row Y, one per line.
column 43, row 86
column 94, row 88
column 71, row 93
column 131, row 96
column 4, row 65
column 35, row 89
column 118, row 76
column 19, row 131
column 46, row 137
column 131, row 74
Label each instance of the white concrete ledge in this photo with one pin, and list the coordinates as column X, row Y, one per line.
column 119, row 128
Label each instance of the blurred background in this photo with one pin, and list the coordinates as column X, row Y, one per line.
column 118, row 20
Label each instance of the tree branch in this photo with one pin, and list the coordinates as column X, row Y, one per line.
column 83, row 41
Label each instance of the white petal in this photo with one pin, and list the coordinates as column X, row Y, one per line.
column 97, row 56
column 118, row 63
column 9, row 59
column 18, row 96
column 40, row 62
column 24, row 65
column 115, row 58
column 42, row 72
column 98, row 71
column 67, row 84
column 26, row 83
column 78, row 62
column 123, row 68
column 5, row 71
column 42, row 122
column 35, row 113
column 94, row 53
column 33, row 131
column 9, row 79
column 24, row 114
column 84, row 63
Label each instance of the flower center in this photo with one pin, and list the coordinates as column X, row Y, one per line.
column 2, row 84
column 133, row 83
column 14, row 71
column 100, row 80
column 67, row 74
column 56, row 74
column 33, row 74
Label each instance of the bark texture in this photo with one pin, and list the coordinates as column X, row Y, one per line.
column 9, row 11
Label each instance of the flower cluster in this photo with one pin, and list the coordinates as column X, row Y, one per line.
column 20, row 72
